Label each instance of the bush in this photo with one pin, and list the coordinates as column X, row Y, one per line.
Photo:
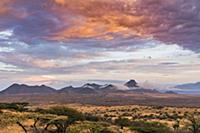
column 123, row 122
column 7, row 119
column 194, row 123
column 63, row 111
column 106, row 130
column 14, row 106
column 91, row 127
column 149, row 127
column 90, row 117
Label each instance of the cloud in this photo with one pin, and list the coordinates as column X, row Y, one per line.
column 3, row 6
column 172, row 22
column 168, row 21
column 88, row 39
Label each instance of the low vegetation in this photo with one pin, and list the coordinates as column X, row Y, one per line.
column 24, row 118
column 14, row 106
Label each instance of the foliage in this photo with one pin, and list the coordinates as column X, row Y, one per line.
column 7, row 119
column 90, row 117
column 64, row 111
column 59, row 117
column 194, row 123
column 14, row 106
column 91, row 127
column 123, row 122
column 149, row 127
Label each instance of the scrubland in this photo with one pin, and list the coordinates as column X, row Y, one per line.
column 79, row 118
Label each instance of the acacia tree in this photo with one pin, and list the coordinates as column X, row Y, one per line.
column 60, row 117
column 22, row 126
column 194, row 123
column 39, row 124
column 42, row 124
column 61, row 123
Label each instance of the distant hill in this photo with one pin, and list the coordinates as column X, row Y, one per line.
column 93, row 93
column 135, row 88
column 189, row 86
column 80, row 90
column 26, row 89
column 170, row 92
column 88, row 88
column 66, row 89
column 131, row 84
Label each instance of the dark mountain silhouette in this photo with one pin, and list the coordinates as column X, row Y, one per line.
column 82, row 90
column 170, row 92
column 108, row 87
column 135, row 88
column 89, row 88
column 26, row 89
column 86, row 88
column 131, row 84
column 66, row 89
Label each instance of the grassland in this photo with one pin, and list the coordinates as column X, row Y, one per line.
column 84, row 118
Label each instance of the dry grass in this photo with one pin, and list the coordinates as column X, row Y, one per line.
column 149, row 113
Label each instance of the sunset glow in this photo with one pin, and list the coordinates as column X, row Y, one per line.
column 59, row 42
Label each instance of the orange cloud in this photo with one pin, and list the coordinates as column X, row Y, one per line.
column 162, row 20
column 102, row 19
column 4, row 6
column 61, row 20
column 98, row 18
column 62, row 2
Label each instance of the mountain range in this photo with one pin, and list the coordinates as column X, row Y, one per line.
column 88, row 88
column 126, row 93
column 24, row 89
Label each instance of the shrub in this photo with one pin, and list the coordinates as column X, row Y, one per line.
column 63, row 111
column 7, row 119
column 90, row 117
column 106, row 130
column 14, row 106
column 91, row 127
column 194, row 123
column 123, row 122
column 149, row 127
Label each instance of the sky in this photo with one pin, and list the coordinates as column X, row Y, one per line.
column 62, row 42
